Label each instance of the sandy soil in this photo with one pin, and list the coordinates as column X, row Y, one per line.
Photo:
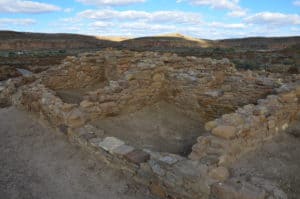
column 38, row 163
column 277, row 161
column 161, row 127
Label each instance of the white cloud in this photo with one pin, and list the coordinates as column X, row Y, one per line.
column 141, row 26
column 228, row 26
column 101, row 24
column 233, row 5
column 20, row 6
column 238, row 13
column 68, row 10
column 110, row 2
column 22, row 22
column 296, row 3
column 274, row 18
column 158, row 16
column 223, row 4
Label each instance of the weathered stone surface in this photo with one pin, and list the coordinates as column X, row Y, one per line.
column 63, row 128
column 156, row 168
column 1, row 88
column 87, row 136
column 158, row 77
column 210, row 125
column 75, row 118
column 219, row 173
column 226, row 132
column 110, row 82
column 95, row 141
column 169, row 159
column 111, row 143
column 247, row 128
column 288, row 97
column 123, row 150
column 231, row 190
column 297, row 91
column 86, row 104
column 157, row 190
column 137, row 156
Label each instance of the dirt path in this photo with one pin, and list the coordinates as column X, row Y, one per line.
column 37, row 163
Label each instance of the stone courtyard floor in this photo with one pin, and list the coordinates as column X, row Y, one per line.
column 38, row 163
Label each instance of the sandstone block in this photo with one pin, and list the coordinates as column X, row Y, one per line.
column 169, row 159
column 156, row 168
column 210, row 125
column 67, row 107
column 224, row 131
column 219, row 173
column 157, row 190
column 75, row 118
column 123, row 150
column 86, row 104
column 214, row 93
column 158, row 77
column 111, row 143
column 137, row 156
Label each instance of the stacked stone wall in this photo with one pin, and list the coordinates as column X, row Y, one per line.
column 234, row 134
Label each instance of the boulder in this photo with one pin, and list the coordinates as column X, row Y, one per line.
column 219, row 173
column 210, row 125
column 75, row 118
column 224, row 131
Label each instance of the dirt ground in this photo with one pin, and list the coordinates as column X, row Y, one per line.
column 76, row 95
column 161, row 127
column 277, row 161
column 38, row 163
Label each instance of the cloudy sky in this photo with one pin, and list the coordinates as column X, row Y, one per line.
column 210, row 19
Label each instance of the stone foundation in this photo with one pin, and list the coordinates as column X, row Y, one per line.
column 247, row 128
column 115, row 82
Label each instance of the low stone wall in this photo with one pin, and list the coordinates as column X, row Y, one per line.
column 247, row 128
column 166, row 175
column 74, row 72
column 37, row 98
column 202, row 86
column 133, row 80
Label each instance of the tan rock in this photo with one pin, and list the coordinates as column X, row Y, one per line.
column 297, row 91
column 67, row 107
column 219, row 173
column 288, row 97
column 224, row 131
column 157, row 190
column 158, row 77
column 210, row 125
column 86, row 104
column 75, row 118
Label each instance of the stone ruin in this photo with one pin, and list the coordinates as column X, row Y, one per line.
column 175, row 124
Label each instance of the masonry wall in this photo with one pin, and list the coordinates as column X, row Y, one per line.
column 134, row 80
column 131, row 80
column 247, row 128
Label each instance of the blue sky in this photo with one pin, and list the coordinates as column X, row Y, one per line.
column 210, row 19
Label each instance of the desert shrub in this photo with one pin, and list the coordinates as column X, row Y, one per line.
column 293, row 70
column 248, row 65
